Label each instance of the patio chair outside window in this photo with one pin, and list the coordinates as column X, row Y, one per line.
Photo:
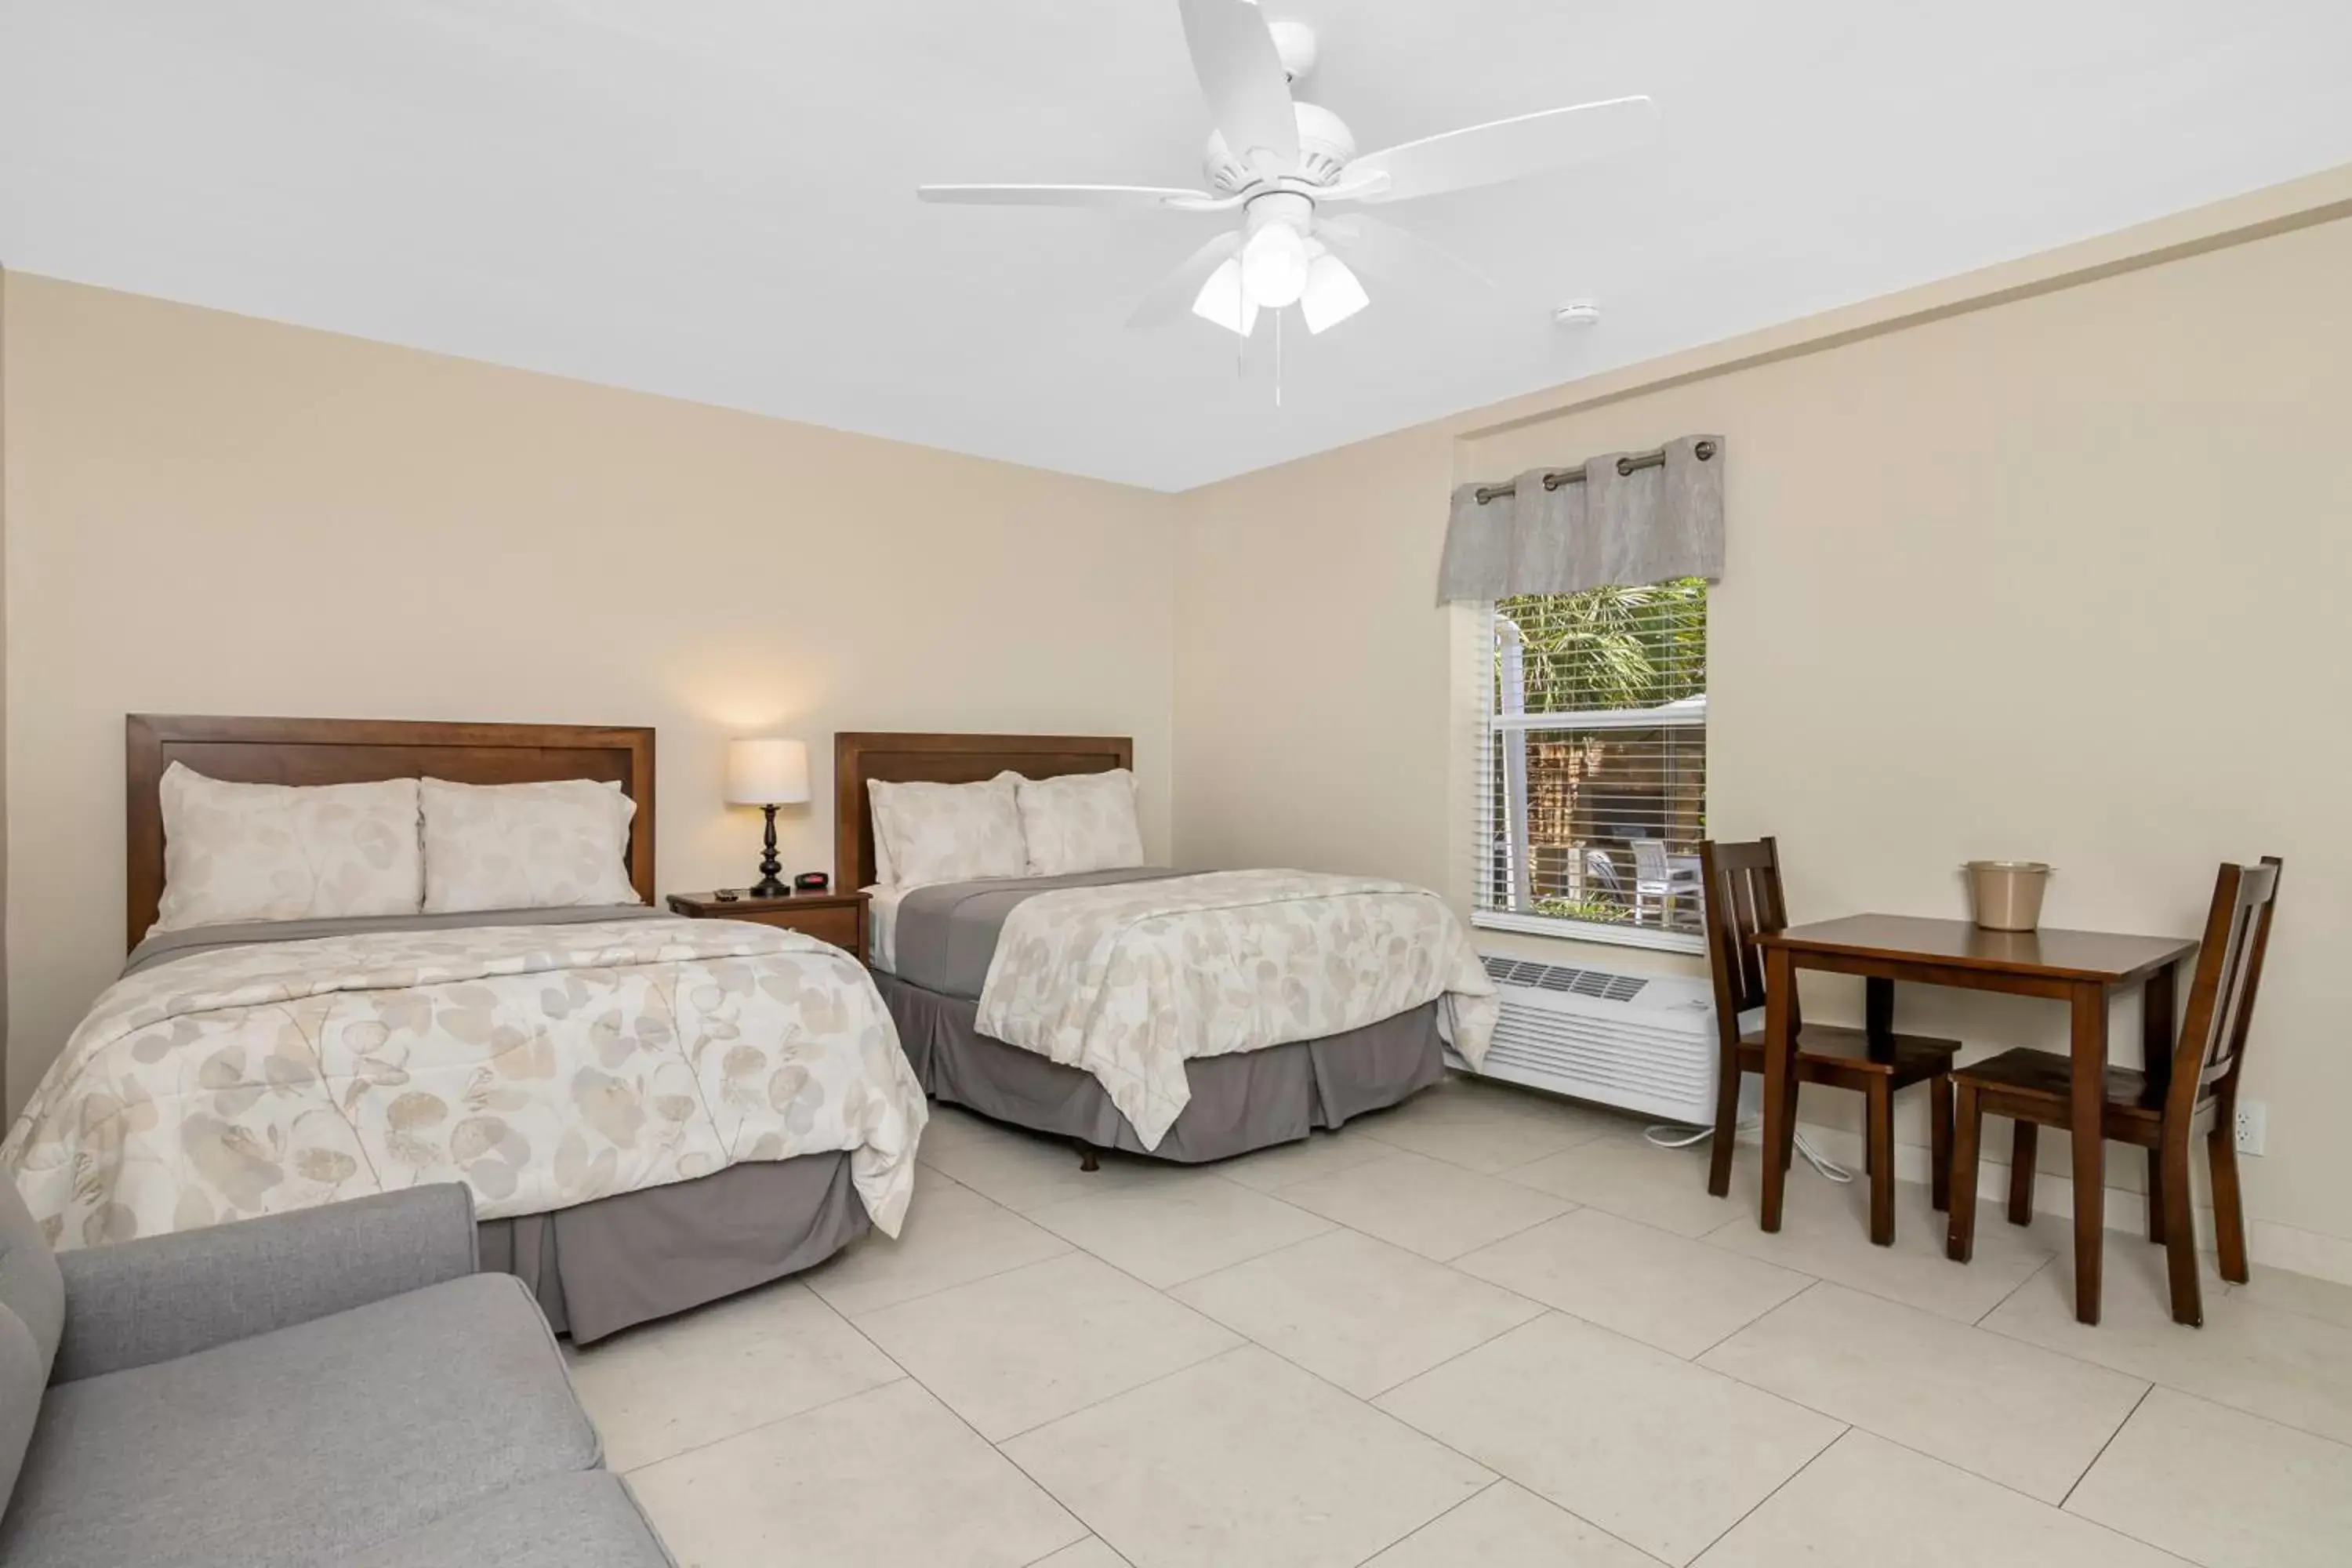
column 1659, row 879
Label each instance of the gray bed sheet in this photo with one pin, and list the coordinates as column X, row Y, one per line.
column 604, row 1266
column 1252, row 1100
column 162, row 947
column 947, row 931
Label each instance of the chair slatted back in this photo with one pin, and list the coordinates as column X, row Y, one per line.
column 2212, row 1044
column 1602, row 873
column 1649, row 860
column 1740, row 884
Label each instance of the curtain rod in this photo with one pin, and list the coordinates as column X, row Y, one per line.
column 1625, row 465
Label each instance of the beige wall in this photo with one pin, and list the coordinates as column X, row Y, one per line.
column 212, row 514
column 2056, row 577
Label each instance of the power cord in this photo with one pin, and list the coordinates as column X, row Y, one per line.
column 1668, row 1136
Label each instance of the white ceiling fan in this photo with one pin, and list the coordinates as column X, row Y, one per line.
column 1281, row 162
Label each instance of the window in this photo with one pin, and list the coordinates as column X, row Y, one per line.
column 1591, row 794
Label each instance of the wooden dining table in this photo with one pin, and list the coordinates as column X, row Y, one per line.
column 2083, row 969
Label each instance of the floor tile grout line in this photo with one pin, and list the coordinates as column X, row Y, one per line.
column 1850, row 1424
column 2004, row 1486
column 1144, row 1284
column 1068, row 1247
column 1330, row 1225
column 1697, row 1559
column 1086, row 1525
column 1455, row 1262
column 1067, row 1506
column 2011, row 1294
column 2075, row 1485
column 1426, row 1436
column 1094, row 1536
column 1368, row 1403
column 1197, row 1361
column 1865, row 1290
column 2171, row 1387
column 904, row 1376
column 1810, row 1286
column 1540, row 1308
column 1494, row 1478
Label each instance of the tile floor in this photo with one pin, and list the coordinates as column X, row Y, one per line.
column 1483, row 1328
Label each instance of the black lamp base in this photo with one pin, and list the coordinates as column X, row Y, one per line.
column 771, row 884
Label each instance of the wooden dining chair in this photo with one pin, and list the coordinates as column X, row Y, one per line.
column 1740, row 886
column 2160, row 1109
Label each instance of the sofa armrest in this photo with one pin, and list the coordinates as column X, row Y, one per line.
column 161, row 1297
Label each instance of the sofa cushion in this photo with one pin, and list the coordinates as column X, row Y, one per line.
column 583, row 1520
column 32, row 1315
column 296, row 1445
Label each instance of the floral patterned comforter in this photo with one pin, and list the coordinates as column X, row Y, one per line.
column 542, row 1066
column 1129, row 981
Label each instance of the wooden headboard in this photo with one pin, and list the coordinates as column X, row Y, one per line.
column 945, row 758
column 362, row 751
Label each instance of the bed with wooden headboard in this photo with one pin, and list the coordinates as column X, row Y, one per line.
column 1241, row 1102
column 861, row 758
column 366, row 751
column 641, row 1130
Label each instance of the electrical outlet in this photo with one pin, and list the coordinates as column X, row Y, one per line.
column 2253, row 1125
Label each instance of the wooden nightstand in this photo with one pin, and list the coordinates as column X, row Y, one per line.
column 836, row 918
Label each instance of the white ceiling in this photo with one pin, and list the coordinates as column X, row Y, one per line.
column 713, row 198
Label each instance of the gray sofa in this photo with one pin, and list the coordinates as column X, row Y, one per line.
column 336, row 1385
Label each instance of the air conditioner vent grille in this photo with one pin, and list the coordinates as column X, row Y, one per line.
column 1560, row 977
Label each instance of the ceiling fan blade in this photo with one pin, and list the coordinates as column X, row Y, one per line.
column 1242, row 77
column 1507, row 149
column 1392, row 255
column 1127, row 196
column 1173, row 298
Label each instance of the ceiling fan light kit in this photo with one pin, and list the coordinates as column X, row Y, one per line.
column 1332, row 292
column 1224, row 301
column 1281, row 162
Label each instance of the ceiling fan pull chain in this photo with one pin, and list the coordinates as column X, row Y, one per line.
column 1278, row 359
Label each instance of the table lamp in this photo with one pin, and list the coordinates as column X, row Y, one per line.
column 767, row 773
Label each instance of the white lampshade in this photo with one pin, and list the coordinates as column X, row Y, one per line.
column 1223, row 301
column 767, row 771
column 1332, row 292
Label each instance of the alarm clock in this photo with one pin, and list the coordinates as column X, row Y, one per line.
column 812, row 882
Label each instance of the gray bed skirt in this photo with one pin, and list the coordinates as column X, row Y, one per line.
column 604, row 1266
column 1241, row 1102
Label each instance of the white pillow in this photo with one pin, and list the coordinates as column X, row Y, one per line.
column 949, row 833
column 550, row 845
column 286, row 852
column 885, row 875
column 1080, row 822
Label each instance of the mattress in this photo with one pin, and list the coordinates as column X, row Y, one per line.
column 612, row 1263
column 649, row 1111
column 1252, row 1101
column 882, row 927
column 944, row 935
column 163, row 947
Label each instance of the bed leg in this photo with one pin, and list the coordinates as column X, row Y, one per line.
column 1086, row 1161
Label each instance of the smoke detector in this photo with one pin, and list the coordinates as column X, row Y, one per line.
column 1577, row 315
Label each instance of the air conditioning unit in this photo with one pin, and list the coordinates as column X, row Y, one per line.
column 1641, row 1042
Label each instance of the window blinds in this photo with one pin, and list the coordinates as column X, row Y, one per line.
column 1591, row 791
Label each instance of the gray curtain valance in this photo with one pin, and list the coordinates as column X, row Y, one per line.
column 1628, row 518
